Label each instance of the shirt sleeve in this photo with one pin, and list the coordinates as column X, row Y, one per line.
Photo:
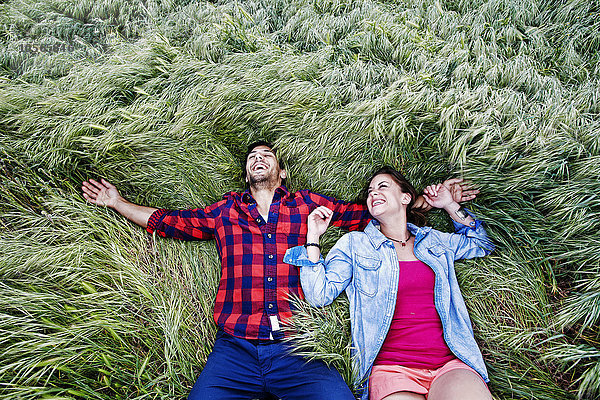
column 470, row 241
column 348, row 215
column 194, row 224
column 324, row 280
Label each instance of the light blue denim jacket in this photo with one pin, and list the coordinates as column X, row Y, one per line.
column 365, row 264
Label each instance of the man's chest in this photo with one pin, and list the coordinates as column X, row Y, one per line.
column 243, row 230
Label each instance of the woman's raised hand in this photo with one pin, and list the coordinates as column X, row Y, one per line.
column 318, row 221
column 438, row 196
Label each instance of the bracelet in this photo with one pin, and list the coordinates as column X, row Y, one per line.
column 317, row 245
column 462, row 213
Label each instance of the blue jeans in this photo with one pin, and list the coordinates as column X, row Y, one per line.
column 243, row 369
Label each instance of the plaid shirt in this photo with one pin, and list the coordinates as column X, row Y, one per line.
column 255, row 283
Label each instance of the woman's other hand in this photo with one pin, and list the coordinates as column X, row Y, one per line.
column 318, row 221
column 438, row 196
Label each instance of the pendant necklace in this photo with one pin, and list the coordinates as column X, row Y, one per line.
column 402, row 242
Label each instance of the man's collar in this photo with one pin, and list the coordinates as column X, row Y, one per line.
column 280, row 192
column 247, row 197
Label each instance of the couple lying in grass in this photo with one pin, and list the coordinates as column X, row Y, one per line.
column 411, row 332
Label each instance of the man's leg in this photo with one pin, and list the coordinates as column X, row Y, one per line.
column 231, row 372
column 292, row 377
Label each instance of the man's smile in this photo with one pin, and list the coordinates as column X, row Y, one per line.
column 260, row 166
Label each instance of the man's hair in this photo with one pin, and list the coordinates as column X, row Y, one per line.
column 414, row 216
column 254, row 145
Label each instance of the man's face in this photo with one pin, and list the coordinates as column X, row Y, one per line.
column 262, row 167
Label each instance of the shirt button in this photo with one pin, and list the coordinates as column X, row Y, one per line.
column 269, row 236
column 270, row 255
column 270, row 305
column 270, row 279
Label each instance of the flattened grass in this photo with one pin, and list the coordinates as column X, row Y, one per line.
column 162, row 98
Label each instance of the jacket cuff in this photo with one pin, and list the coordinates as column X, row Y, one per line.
column 464, row 229
column 154, row 219
column 298, row 256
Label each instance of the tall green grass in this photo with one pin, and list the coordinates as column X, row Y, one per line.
column 161, row 98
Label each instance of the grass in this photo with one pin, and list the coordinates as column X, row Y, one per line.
column 161, row 98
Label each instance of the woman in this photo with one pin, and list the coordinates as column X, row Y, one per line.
column 411, row 332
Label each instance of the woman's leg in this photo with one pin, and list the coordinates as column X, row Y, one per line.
column 404, row 396
column 459, row 384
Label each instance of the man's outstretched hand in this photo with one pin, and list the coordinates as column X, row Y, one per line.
column 105, row 194
column 101, row 193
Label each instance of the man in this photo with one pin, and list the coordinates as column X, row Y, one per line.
column 252, row 231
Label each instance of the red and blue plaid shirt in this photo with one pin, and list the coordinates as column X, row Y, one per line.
column 255, row 282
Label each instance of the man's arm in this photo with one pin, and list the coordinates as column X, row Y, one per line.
column 353, row 216
column 347, row 215
column 195, row 224
column 105, row 194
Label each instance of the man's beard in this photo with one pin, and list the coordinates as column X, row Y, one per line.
column 262, row 181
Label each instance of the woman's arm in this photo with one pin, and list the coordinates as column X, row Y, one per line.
column 460, row 190
column 322, row 280
column 470, row 238
column 439, row 196
column 317, row 223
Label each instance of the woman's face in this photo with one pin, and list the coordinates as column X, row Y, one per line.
column 385, row 197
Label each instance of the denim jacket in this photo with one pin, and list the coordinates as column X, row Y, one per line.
column 365, row 264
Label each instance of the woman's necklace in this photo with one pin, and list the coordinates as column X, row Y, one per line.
column 402, row 242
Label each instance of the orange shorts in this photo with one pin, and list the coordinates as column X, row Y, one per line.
column 388, row 379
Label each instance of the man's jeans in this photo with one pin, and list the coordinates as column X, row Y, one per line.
column 243, row 369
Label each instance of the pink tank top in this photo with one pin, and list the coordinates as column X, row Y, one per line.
column 415, row 338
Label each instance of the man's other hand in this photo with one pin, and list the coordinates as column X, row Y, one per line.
column 461, row 191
